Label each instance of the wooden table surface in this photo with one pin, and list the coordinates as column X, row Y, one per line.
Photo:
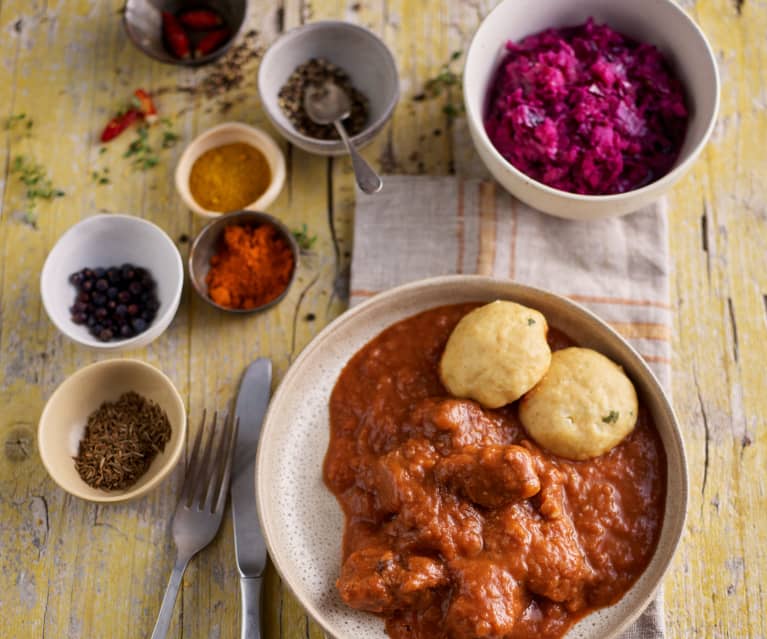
column 74, row 569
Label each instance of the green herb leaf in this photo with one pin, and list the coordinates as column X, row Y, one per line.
column 530, row 321
column 611, row 417
column 39, row 186
column 169, row 138
column 305, row 241
column 11, row 120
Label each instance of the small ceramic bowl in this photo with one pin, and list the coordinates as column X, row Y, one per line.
column 207, row 242
column 359, row 52
column 103, row 241
column 301, row 520
column 142, row 20
column 662, row 23
column 62, row 423
column 230, row 133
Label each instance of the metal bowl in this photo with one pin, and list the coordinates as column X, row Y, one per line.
column 205, row 244
column 143, row 24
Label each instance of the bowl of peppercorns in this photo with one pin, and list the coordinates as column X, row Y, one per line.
column 112, row 282
column 353, row 58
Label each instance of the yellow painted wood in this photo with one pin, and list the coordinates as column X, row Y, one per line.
column 72, row 569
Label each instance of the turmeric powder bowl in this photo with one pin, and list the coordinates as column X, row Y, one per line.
column 243, row 262
column 231, row 167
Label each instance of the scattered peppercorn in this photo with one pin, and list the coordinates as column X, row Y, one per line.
column 310, row 317
column 116, row 302
column 315, row 73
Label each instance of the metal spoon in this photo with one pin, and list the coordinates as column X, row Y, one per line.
column 328, row 104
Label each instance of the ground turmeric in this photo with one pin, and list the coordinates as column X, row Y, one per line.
column 252, row 267
column 229, row 177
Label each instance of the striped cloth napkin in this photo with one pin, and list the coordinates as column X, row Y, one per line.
column 421, row 227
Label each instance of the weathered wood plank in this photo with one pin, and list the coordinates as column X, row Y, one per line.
column 73, row 569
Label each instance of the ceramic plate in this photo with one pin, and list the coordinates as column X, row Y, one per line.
column 300, row 518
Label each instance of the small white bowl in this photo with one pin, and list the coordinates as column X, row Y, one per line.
column 659, row 22
column 230, row 133
column 103, row 241
column 62, row 423
column 359, row 52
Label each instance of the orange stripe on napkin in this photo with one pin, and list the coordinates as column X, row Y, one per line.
column 487, row 228
column 459, row 229
column 642, row 330
column 619, row 300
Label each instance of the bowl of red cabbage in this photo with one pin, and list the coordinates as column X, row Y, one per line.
column 592, row 109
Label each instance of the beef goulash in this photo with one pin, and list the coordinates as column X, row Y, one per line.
column 457, row 524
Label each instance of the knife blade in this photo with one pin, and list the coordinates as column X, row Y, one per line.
column 249, row 545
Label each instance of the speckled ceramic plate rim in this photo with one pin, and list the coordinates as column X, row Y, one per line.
column 301, row 413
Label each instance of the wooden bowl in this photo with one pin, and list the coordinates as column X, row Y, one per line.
column 300, row 518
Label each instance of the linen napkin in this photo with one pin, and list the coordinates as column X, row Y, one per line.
column 421, row 227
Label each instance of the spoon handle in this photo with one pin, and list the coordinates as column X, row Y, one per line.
column 367, row 179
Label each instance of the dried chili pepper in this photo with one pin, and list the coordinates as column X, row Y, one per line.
column 200, row 19
column 174, row 35
column 211, row 42
column 146, row 105
column 119, row 123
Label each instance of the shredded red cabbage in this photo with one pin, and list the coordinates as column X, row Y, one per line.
column 587, row 110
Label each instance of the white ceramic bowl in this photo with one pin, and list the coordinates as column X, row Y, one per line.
column 230, row 133
column 659, row 22
column 301, row 520
column 62, row 423
column 365, row 58
column 107, row 240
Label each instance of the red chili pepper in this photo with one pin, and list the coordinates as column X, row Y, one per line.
column 118, row 124
column 175, row 36
column 200, row 19
column 211, row 42
column 146, row 105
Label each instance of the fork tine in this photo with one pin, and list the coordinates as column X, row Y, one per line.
column 203, row 472
column 218, row 465
column 219, row 493
column 191, row 468
column 215, row 464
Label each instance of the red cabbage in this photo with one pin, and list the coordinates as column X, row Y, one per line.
column 587, row 110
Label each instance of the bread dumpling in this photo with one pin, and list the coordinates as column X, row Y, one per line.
column 496, row 353
column 583, row 407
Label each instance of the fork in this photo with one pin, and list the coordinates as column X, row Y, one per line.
column 201, row 507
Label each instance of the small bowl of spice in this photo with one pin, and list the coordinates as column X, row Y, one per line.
column 345, row 54
column 112, row 282
column 243, row 262
column 231, row 167
column 112, row 431
column 181, row 32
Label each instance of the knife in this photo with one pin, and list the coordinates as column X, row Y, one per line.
column 252, row 400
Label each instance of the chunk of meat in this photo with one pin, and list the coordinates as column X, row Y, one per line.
column 490, row 476
column 402, row 475
column 440, row 523
column 546, row 550
column 452, row 424
column 421, row 516
column 377, row 579
column 486, row 602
